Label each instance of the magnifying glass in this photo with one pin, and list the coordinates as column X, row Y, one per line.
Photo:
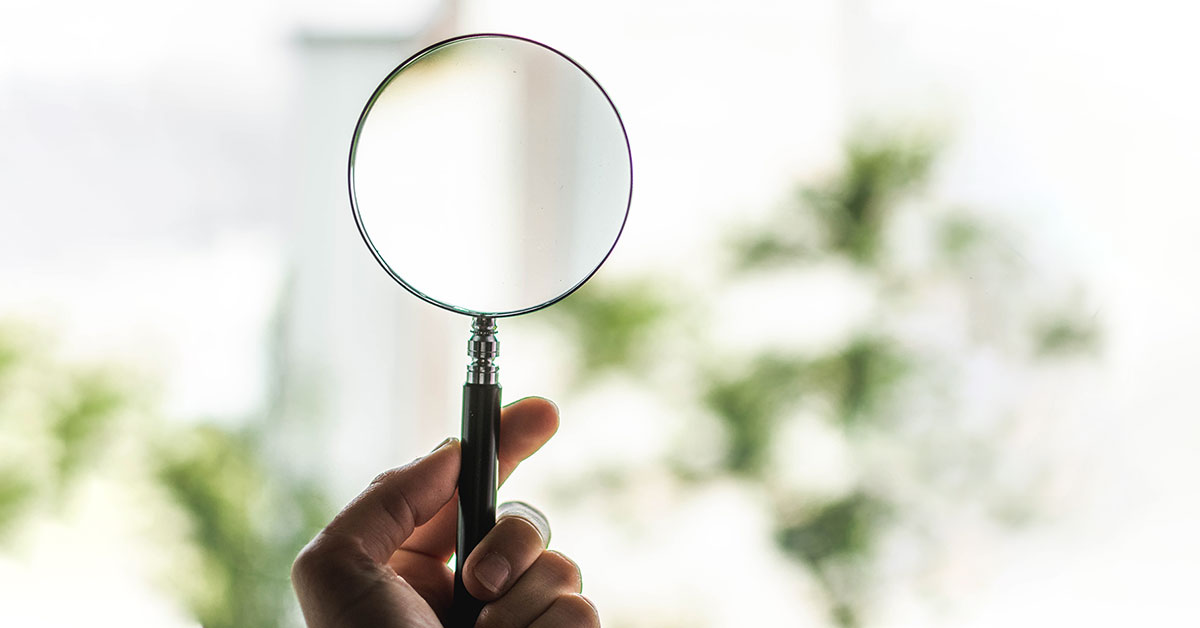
column 490, row 175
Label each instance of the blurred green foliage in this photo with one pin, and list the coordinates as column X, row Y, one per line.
column 958, row 236
column 614, row 329
column 82, row 418
column 847, row 214
column 824, row 538
column 846, row 525
column 855, row 207
column 244, row 520
column 17, row 494
column 859, row 377
column 749, row 403
column 1065, row 333
column 247, row 522
column 54, row 422
column 862, row 386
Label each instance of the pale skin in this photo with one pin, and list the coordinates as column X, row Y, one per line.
column 382, row 561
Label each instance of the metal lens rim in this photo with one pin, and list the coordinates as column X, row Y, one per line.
column 354, row 200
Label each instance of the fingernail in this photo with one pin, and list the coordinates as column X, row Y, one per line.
column 531, row 515
column 492, row 572
column 443, row 444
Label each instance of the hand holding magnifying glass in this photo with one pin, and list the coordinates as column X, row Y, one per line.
column 370, row 567
column 490, row 175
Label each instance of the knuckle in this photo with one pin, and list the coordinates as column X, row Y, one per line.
column 306, row 559
column 577, row 611
column 563, row 568
column 384, row 476
column 495, row 616
column 324, row 557
column 300, row 567
column 387, row 476
column 386, row 494
column 309, row 563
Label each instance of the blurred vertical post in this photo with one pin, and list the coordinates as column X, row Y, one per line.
column 351, row 394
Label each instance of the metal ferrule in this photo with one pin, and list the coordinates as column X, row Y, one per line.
column 483, row 349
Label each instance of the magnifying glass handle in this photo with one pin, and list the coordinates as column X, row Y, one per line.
column 476, row 489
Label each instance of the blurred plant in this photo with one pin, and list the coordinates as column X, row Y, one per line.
column 611, row 325
column 54, row 422
column 248, row 524
column 60, row 424
column 881, row 389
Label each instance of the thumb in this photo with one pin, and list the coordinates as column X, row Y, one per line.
column 397, row 501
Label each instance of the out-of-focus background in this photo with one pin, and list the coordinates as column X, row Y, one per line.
column 901, row 330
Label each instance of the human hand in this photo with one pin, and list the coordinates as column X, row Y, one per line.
column 381, row 562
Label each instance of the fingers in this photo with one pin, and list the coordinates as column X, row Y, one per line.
column 506, row 552
column 525, row 426
column 346, row 559
column 541, row 589
column 527, row 586
column 529, row 423
column 397, row 501
column 572, row 610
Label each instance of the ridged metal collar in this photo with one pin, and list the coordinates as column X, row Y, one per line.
column 483, row 349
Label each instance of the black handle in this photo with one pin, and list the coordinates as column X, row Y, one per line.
column 476, row 489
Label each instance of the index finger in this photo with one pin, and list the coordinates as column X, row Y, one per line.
column 525, row 426
column 398, row 501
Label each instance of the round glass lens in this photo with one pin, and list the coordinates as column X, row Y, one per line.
column 490, row 175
